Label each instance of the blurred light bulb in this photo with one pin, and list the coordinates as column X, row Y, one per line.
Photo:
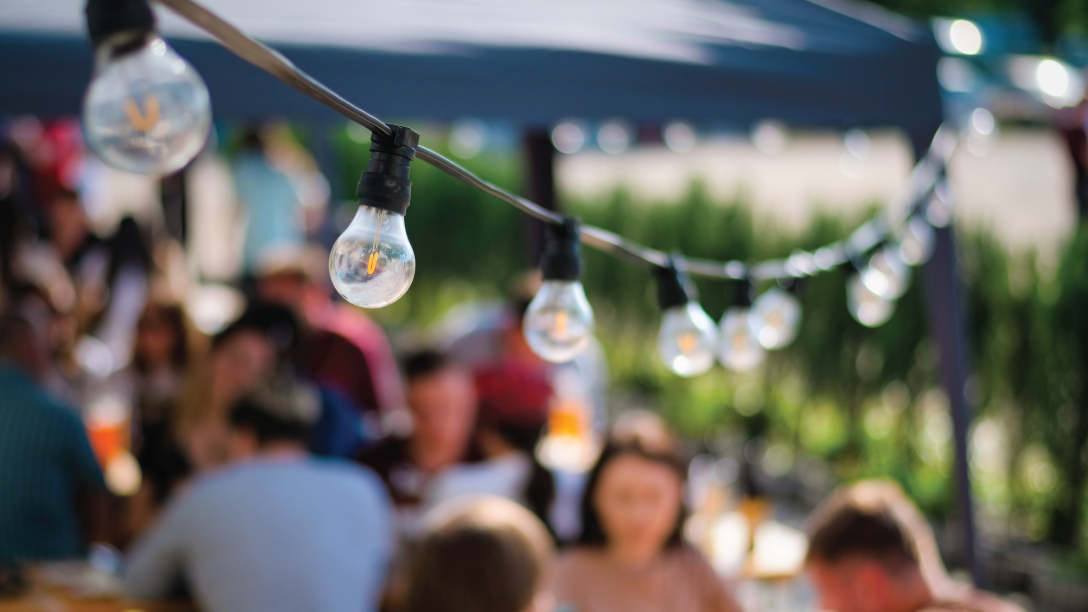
column 774, row 318
column 769, row 136
column 613, row 138
column 687, row 339
column 965, row 37
column 559, row 322
column 916, row 241
column 886, row 275
column 372, row 263
column 680, row 137
column 870, row 309
column 568, row 137
column 1052, row 77
column 147, row 110
column 739, row 347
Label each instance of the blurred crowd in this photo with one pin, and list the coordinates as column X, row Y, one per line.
column 289, row 460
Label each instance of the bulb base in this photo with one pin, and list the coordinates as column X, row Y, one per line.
column 563, row 252
column 385, row 183
column 106, row 18
column 673, row 287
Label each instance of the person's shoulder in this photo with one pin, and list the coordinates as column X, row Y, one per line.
column 577, row 559
column 972, row 600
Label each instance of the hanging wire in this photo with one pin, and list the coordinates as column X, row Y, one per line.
column 923, row 178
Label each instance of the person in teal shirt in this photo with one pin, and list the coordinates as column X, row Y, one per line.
column 47, row 466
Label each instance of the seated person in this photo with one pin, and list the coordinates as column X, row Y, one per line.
column 442, row 403
column 261, row 343
column 871, row 550
column 485, row 554
column 513, row 411
column 49, row 477
column 631, row 556
column 275, row 530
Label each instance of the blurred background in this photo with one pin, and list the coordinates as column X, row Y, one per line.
column 843, row 402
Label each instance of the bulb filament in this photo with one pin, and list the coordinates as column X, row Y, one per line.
column 372, row 261
column 560, row 322
column 686, row 341
column 138, row 120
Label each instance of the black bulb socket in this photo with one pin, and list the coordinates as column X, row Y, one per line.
column 385, row 183
column 562, row 258
column 107, row 18
column 673, row 287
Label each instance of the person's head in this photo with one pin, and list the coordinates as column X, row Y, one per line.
column 442, row 401
column 867, row 548
column 633, row 501
column 481, row 555
column 162, row 338
column 250, row 350
column 25, row 334
column 294, row 276
column 275, row 414
column 67, row 222
column 513, row 399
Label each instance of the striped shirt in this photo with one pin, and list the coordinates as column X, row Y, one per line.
column 46, row 462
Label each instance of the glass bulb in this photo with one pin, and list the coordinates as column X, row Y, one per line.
column 774, row 318
column 740, row 348
column 870, row 309
column 886, row 275
column 687, row 339
column 372, row 263
column 147, row 111
column 559, row 322
column 916, row 241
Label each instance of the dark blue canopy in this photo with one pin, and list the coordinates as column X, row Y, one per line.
column 816, row 63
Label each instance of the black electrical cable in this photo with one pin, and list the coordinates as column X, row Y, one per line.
column 922, row 179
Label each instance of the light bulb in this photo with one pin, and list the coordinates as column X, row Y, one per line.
column 774, row 318
column 885, row 275
column 147, row 110
column 687, row 339
column 870, row 309
column 740, row 348
column 559, row 322
column 916, row 241
column 372, row 264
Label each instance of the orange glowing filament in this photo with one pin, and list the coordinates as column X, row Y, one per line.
column 560, row 322
column 372, row 261
column 139, row 120
column 687, row 342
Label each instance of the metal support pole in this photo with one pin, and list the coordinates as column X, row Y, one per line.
column 947, row 326
column 948, row 329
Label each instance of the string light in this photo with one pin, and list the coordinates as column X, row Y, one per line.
column 867, row 307
column 915, row 241
column 775, row 318
column 739, row 347
column 147, row 110
column 688, row 337
column 558, row 324
column 372, row 264
column 885, row 275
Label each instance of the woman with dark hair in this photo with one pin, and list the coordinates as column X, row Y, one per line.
column 631, row 555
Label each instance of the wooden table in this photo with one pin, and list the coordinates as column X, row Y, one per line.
column 47, row 594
